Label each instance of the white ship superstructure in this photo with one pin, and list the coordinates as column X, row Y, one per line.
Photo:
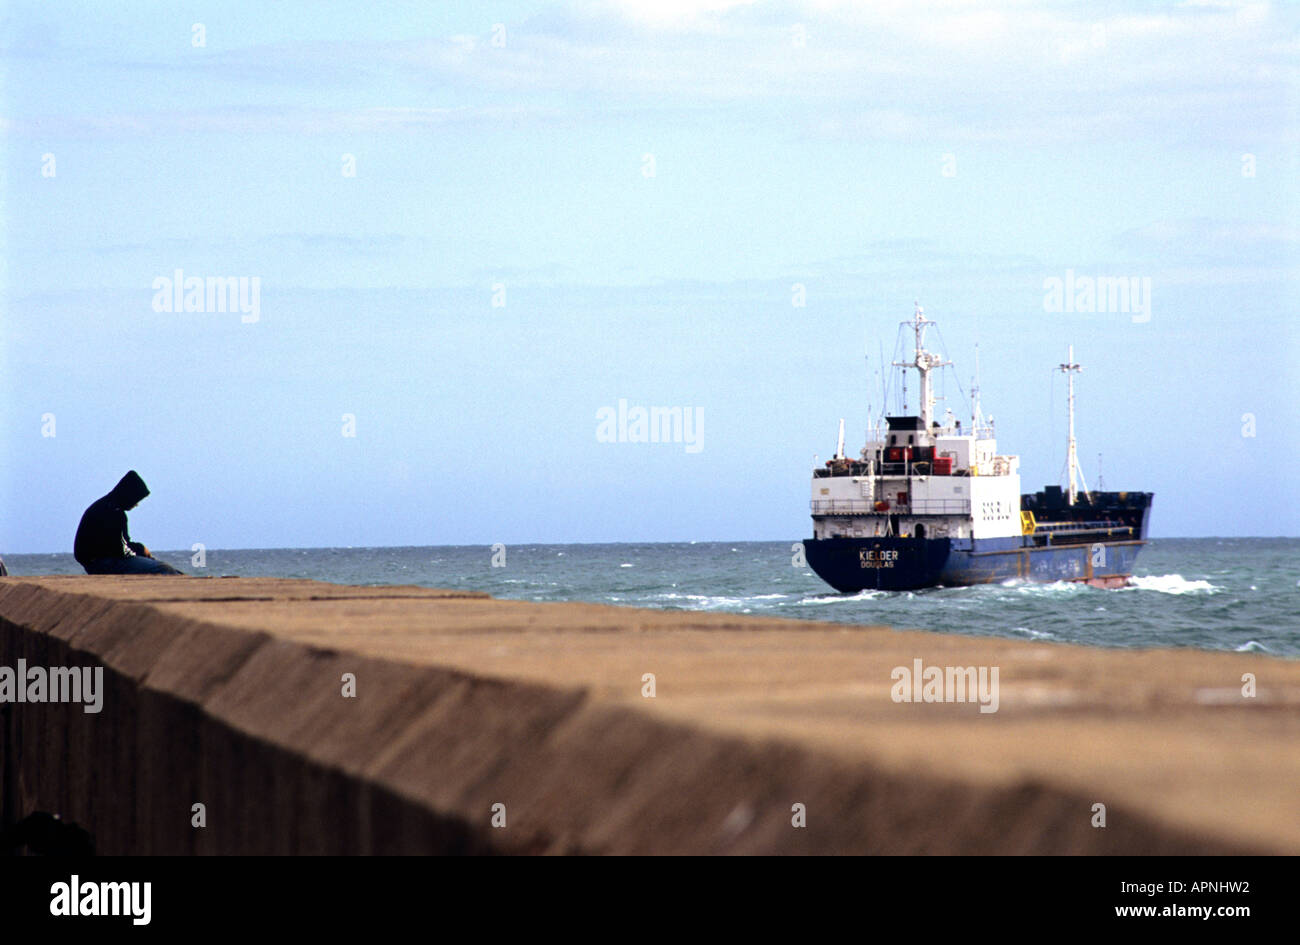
column 919, row 478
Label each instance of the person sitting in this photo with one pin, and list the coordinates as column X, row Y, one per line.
column 104, row 546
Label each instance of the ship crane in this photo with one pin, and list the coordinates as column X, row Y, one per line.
column 1069, row 369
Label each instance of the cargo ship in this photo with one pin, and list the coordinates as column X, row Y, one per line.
column 928, row 504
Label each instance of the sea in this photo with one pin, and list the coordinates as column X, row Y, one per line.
column 1239, row 594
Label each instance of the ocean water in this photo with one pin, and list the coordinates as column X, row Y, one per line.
column 1212, row 593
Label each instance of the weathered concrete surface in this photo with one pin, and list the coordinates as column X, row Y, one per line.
column 227, row 692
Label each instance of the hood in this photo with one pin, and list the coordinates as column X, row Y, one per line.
column 130, row 490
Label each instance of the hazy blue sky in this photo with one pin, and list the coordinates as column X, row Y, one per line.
column 648, row 189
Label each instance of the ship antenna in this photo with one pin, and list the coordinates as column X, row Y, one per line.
column 867, row 359
column 878, row 421
column 902, row 370
column 871, row 408
column 1069, row 369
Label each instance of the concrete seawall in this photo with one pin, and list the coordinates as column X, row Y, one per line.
column 229, row 693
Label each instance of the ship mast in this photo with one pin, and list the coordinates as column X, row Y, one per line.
column 1069, row 369
column 924, row 362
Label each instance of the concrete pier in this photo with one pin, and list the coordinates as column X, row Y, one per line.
column 479, row 725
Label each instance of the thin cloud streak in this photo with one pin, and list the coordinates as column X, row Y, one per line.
column 887, row 72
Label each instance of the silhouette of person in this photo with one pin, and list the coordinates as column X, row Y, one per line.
column 104, row 546
column 45, row 834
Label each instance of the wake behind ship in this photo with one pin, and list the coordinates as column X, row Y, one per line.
column 930, row 505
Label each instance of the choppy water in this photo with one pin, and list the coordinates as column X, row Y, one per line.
column 1223, row 594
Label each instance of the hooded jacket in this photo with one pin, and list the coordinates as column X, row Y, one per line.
column 103, row 532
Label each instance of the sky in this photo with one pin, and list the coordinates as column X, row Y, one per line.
column 473, row 227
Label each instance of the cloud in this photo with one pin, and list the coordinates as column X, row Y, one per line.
column 1209, row 239
column 938, row 69
column 275, row 119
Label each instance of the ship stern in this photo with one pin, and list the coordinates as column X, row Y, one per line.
column 851, row 565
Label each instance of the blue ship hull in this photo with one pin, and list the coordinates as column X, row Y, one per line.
column 899, row 564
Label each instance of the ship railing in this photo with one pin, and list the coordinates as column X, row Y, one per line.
column 941, row 507
column 1078, row 526
column 843, row 507
column 867, row 507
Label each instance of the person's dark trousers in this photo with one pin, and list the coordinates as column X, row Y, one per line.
column 132, row 564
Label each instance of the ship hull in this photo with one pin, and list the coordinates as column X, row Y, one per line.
column 897, row 564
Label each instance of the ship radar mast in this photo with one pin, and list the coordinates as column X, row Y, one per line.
column 924, row 362
column 978, row 425
column 1069, row 369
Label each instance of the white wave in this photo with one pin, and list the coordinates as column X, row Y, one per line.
column 1033, row 634
column 841, row 598
column 1037, row 589
column 1252, row 646
column 711, row 602
column 626, row 565
column 1171, row 584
